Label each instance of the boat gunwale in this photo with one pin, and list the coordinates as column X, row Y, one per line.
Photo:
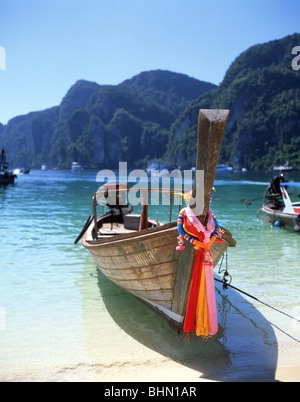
column 275, row 212
column 136, row 236
column 128, row 236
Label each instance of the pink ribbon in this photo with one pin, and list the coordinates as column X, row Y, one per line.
column 198, row 225
column 211, row 299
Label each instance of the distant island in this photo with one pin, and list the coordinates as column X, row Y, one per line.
column 153, row 116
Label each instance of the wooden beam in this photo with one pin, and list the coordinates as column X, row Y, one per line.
column 211, row 127
column 144, row 214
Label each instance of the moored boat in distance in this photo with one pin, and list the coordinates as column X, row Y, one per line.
column 6, row 177
column 138, row 252
column 223, row 168
column 76, row 166
column 283, row 168
column 22, row 171
column 278, row 207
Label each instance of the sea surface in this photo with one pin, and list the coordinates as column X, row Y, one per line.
column 60, row 319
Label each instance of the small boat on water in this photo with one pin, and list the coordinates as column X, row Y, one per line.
column 138, row 252
column 6, row 177
column 22, row 171
column 278, row 207
column 75, row 167
column 283, row 168
column 223, row 168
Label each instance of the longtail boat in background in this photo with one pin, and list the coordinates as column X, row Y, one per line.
column 6, row 177
column 138, row 252
column 278, row 207
column 283, row 168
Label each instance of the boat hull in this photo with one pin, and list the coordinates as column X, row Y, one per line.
column 285, row 219
column 7, row 178
column 147, row 265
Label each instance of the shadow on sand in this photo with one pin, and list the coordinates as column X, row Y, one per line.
column 244, row 349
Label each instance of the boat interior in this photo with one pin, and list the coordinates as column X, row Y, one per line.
column 118, row 222
column 119, row 218
column 275, row 202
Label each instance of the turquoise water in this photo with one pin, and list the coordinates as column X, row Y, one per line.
column 60, row 318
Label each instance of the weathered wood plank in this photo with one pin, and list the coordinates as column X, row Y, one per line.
column 158, row 284
column 183, row 278
column 211, row 127
column 140, row 258
column 142, row 272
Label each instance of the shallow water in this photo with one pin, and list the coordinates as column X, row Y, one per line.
column 61, row 319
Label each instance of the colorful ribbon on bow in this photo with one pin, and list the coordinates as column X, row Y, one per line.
column 201, row 313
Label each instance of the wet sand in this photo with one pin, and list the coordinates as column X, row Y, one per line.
column 145, row 366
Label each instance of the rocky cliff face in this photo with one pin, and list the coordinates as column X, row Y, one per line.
column 99, row 126
column 261, row 89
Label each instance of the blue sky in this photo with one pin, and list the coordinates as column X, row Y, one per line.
column 50, row 44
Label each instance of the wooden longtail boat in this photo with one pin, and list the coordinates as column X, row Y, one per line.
column 139, row 253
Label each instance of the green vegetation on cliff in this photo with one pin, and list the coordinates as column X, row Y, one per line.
column 262, row 91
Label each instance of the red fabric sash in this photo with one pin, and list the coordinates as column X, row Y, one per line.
column 201, row 312
column 189, row 228
column 190, row 316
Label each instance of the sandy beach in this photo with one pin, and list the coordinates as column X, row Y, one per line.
column 154, row 370
column 147, row 366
